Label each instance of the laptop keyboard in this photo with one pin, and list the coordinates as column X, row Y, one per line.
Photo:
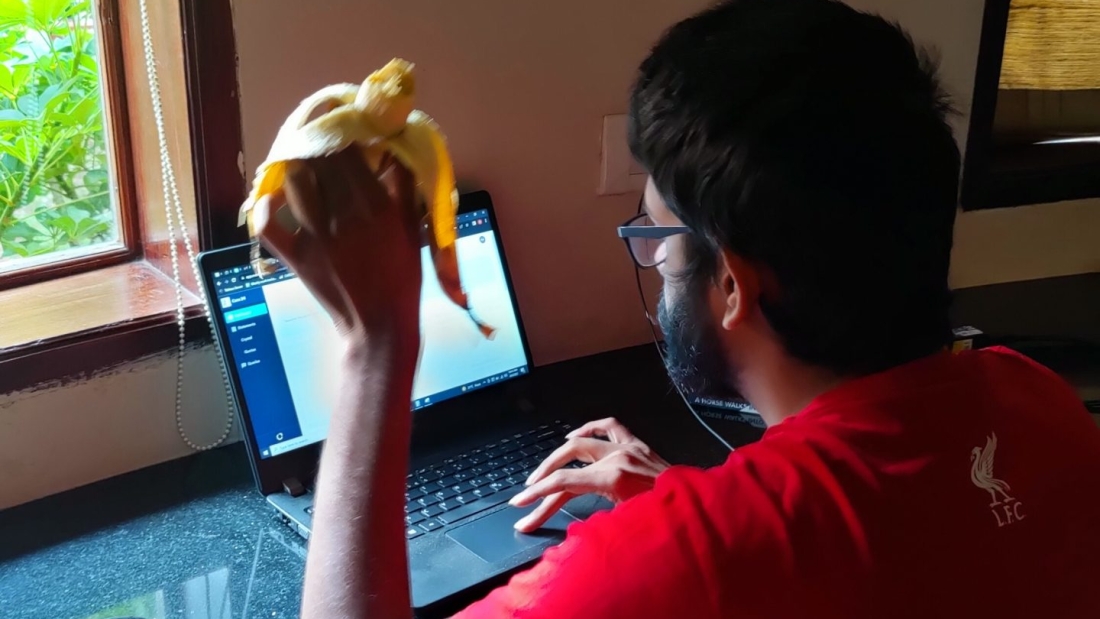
column 480, row 479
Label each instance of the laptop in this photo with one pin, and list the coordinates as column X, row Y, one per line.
column 475, row 439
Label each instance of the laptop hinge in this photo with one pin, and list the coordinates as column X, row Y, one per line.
column 293, row 487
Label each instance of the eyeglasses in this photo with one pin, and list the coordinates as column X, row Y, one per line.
column 645, row 240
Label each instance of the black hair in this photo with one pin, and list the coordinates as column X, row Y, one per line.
column 812, row 140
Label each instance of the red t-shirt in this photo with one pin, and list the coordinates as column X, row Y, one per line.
column 955, row 486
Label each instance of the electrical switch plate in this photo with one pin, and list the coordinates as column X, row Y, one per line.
column 619, row 173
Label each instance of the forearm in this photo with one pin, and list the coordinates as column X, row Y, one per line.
column 357, row 565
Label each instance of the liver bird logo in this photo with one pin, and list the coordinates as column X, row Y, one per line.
column 981, row 471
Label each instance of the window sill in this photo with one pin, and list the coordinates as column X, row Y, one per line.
column 72, row 326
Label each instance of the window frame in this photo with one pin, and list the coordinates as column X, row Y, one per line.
column 987, row 182
column 109, row 39
column 143, row 328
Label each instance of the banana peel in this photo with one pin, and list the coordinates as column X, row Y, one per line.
column 378, row 118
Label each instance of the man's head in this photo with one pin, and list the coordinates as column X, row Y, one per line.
column 806, row 147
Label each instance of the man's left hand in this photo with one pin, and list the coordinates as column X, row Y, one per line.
column 621, row 466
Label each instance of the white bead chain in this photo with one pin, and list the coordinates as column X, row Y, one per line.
column 172, row 220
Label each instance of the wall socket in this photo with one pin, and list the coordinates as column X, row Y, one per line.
column 619, row 173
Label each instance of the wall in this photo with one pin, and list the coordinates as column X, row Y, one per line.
column 1008, row 244
column 58, row 437
column 520, row 88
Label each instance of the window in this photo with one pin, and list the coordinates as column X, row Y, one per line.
column 60, row 200
column 86, row 277
column 1035, row 123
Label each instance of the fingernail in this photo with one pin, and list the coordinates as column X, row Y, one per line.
column 530, row 480
column 515, row 500
column 521, row 524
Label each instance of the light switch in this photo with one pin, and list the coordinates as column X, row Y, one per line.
column 619, row 173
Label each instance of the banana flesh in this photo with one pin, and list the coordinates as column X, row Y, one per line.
column 378, row 118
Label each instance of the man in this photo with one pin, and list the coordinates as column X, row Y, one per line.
column 804, row 179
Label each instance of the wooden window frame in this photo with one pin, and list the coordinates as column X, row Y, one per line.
column 995, row 178
column 145, row 323
column 115, row 106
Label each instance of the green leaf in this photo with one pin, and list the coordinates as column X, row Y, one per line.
column 44, row 13
column 96, row 179
column 14, row 13
column 28, row 104
column 6, row 82
column 19, row 75
column 34, row 224
column 78, row 214
column 65, row 224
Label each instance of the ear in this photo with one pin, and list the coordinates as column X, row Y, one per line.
column 739, row 283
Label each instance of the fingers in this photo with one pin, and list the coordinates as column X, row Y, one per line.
column 609, row 428
column 549, row 506
column 281, row 242
column 334, row 186
column 573, row 481
column 303, row 195
column 364, row 183
column 580, row 448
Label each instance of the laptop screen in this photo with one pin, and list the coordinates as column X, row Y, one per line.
column 286, row 352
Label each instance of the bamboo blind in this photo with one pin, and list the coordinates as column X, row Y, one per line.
column 1052, row 45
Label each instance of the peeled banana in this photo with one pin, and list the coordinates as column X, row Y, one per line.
column 378, row 118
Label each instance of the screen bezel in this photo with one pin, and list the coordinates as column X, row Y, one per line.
column 301, row 463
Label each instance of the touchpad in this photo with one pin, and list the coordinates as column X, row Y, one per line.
column 494, row 539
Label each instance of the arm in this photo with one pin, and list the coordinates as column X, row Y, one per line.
column 357, row 564
column 358, row 252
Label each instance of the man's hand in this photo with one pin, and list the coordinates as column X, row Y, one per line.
column 358, row 248
column 621, row 466
column 358, row 252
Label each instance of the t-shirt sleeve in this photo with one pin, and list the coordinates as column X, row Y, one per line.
column 651, row 556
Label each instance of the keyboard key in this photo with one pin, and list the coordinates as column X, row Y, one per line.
column 495, row 452
column 478, row 482
column 447, row 506
column 484, row 491
column 466, row 498
column 412, row 532
column 477, row 507
column 527, row 452
column 414, row 518
column 511, row 457
column 479, row 470
column 430, row 525
column 446, row 493
column 413, row 494
column 428, row 499
column 427, row 476
column 494, row 475
column 430, row 487
column 413, row 506
column 546, row 446
column 514, row 480
column 497, row 486
column 431, row 511
column 447, row 481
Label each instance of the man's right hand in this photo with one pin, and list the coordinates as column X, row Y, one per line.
column 620, row 466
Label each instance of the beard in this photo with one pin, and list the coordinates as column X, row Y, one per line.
column 693, row 355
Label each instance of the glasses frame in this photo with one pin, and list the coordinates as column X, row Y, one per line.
column 629, row 231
